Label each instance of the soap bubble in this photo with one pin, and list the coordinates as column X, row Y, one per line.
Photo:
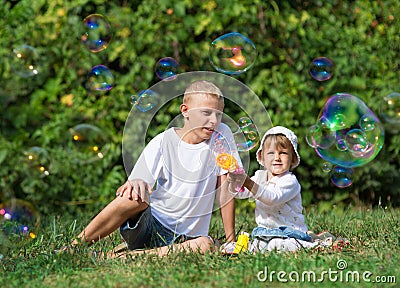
column 100, row 78
column 341, row 136
column 327, row 167
column 320, row 136
column 390, row 108
column 145, row 101
column 18, row 220
column 247, row 136
column 96, row 34
column 232, row 53
column 38, row 160
column 342, row 177
column 88, row 141
column 321, row 68
column 367, row 123
column 356, row 141
column 341, row 145
column 220, row 144
column 166, row 68
column 25, row 61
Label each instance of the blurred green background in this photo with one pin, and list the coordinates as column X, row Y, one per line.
column 360, row 37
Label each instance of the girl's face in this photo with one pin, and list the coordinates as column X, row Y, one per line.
column 277, row 158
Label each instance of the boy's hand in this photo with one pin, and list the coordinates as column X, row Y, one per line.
column 136, row 189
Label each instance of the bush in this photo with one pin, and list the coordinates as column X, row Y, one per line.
column 361, row 37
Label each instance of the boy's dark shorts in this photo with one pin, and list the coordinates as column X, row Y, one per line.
column 148, row 232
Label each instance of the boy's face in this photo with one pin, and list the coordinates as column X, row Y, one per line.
column 277, row 160
column 203, row 114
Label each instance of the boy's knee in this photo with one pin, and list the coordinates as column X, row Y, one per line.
column 129, row 208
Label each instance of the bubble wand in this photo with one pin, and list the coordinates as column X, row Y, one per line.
column 228, row 162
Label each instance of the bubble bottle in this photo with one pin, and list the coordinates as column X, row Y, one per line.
column 228, row 162
column 242, row 243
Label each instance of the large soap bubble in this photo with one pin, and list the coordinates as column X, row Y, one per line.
column 96, row 33
column 19, row 220
column 347, row 133
column 232, row 53
column 89, row 142
column 390, row 108
column 38, row 160
column 25, row 61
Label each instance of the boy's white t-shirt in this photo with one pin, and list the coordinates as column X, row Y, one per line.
column 185, row 176
column 278, row 201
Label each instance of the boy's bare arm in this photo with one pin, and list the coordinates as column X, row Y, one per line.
column 227, row 208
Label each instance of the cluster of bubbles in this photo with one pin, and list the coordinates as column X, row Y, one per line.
column 347, row 134
column 18, row 218
column 167, row 68
column 232, row 53
column 145, row 101
column 88, row 142
column 96, row 35
column 321, row 68
column 247, row 137
column 244, row 139
column 25, row 61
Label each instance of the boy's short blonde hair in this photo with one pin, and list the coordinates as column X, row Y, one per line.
column 202, row 87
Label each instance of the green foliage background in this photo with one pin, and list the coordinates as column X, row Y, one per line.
column 361, row 37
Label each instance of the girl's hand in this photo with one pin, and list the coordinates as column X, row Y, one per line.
column 236, row 180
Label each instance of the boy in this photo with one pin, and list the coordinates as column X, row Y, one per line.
column 177, row 162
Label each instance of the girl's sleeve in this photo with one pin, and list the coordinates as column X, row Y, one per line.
column 149, row 164
column 279, row 190
column 242, row 195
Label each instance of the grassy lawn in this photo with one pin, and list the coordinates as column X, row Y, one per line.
column 373, row 256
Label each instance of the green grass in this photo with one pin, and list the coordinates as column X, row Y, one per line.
column 374, row 247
